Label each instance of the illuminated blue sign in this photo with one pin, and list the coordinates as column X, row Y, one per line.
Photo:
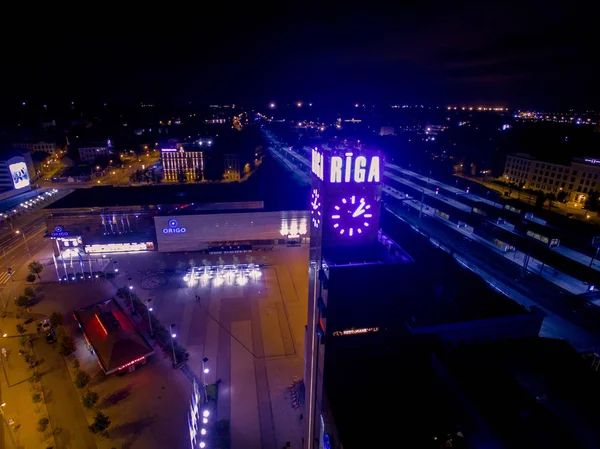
column 174, row 228
column 59, row 232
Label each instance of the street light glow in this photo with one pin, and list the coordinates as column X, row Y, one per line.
column 205, row 370
column 206, row 413
column 173, row 335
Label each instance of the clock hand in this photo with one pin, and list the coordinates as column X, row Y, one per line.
column 359, row 210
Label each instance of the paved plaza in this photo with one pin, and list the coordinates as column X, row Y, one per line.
column 252, row 334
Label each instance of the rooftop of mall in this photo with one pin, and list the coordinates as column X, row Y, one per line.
column 269, row 185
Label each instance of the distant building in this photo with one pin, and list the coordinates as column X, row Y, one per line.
column 46, row 147
column 88, row 152
column 183, row 161
column 578, row 178
column 16, row 169
column 387, row 131
column 232, row 167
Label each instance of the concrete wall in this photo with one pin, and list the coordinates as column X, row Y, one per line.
column 178, row 233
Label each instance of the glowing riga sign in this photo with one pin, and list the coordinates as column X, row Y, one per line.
column 174, row 228
column 364, row 330
column 347, row 169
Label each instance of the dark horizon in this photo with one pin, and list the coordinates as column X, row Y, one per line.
column 529, row 56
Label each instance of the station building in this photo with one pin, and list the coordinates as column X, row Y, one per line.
column 173, row 218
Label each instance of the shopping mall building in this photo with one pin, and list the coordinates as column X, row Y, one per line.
column 178, row 218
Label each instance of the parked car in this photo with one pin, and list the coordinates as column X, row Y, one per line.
column 50, row 337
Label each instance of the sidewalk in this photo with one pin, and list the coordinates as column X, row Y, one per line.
column 21, row 414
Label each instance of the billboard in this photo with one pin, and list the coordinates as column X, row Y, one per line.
column 20, row 175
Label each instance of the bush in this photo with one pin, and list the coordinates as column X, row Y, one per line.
column 100, row 424
column 22, row 301
column 43, row 424
column 56, row 319
column 21, row 329
column 36, row 397
column 90, row 398
column 76, row 364
column 36, row 268
column 30, row 278
column 66, row 345
column 60, row 332
column 81, row 379
column 29, row 292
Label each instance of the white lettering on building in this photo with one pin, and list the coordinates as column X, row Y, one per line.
column 365, row 330
column 317, row 164
column 347, row 169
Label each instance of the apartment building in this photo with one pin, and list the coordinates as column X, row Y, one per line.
column 578, row 179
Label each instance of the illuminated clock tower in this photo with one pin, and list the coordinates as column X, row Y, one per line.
column 345, row 210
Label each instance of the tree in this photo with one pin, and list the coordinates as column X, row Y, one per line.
column 100, row 424
column 181, row 176
column 30, row 277
column 22, row 301
column 236, row 260
column 36, row 268
column 198, row 175
column 66, row 345
column 250, row 259
column 180, row 266
column 562, row 196
column 551, row 197
column 540, row 199
column 220, row 261
column 43, row 424
column 75, row 364
column 192, row 263
column 21, row 329
column 29, row 292
column 591, row 203
column 90, row 398
column 60, row 332
column 81, row 379
column 56, row 319
column 36, row 398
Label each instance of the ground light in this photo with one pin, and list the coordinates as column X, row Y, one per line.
column 173, row 336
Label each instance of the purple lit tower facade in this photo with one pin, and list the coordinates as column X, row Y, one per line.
column 345, row 240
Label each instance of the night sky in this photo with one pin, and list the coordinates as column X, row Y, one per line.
column 425, row 52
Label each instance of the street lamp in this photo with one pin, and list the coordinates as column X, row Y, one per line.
column 204, row 373
column 115, row 267
column 173, row 336
column 25, row 240
column 149, row 309
column 130, row 287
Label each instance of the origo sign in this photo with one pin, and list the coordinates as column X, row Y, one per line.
column 346, row 167
column 174, row 228
column 59, row 232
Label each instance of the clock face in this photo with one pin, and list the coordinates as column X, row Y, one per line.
column 351, row 216
column 315, row 208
